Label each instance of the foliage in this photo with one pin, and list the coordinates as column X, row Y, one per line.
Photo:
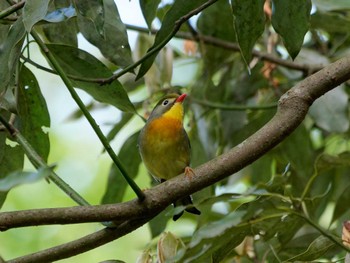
column 289, row 205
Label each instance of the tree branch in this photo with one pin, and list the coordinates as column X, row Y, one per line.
column 306, row 68
column 293, row 106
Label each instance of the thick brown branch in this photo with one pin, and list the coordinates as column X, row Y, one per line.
column 292, row 109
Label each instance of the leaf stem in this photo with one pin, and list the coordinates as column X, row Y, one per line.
column 38, row 162
column 87, row 114
column 12, row 9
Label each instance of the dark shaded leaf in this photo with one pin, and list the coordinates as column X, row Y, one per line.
column 220, row 15
column 19, row 177
column 158, row 224
column 33, row 113
column 249, row 24
column 291, row 20
column 130, row 158
column 213, row 236
column 178, row 9
column 80, row 63
column 330, row 111
column 125, row 118
column 114, row 44
column 33, row 12
column 341, row 205
column 149, row 10
column 10, row 50
column 93, row 11
column 331, row 22
column 316, row 249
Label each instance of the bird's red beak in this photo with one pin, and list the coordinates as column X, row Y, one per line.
column 181, row 98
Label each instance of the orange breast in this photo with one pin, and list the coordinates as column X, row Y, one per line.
column 163, row 128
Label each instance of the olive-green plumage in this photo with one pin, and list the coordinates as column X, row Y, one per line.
column 164, row 145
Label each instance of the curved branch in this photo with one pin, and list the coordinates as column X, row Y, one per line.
column 293, row 107
column 306, row 68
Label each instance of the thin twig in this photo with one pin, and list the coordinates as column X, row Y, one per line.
column 13, row 8
column 154, row 50
column 221, row 106
column 87, row 115
column 306, row 68
column 38, row 162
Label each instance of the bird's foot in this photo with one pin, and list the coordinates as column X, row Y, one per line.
column 189, row 173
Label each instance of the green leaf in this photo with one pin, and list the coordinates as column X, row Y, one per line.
column 125, row 118
column 19, row 177
column 330, row 111
column 316, row 249
column 326, row 5
column 291, row 20
column 33, row 113
column 93, row 11
column 10, row 51
column 82, row 64
column 213, row 236
column 178, row 9
column 11, row 159
column 220, row 15
column 342, row 204
column 130, row 158
column 331, row 22
column 114, row 44
column 249, row 24
column 149, row 10
column 60, row 14
column 33, row 12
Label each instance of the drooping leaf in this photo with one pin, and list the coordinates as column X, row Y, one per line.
column 149, row 10
column 11, row 159
column 330, row 111
column 158, row 223
column 114, row 44
column 11, row 47
column 316, row 249
column 249, row 24
column 82, row 64
column 130, row 158
column 178, row 9
column 19, row 177
column 117, row 127
column 33, row 113
column 33, row 12
column 62, row 28
column 220, row 15
column 93, row 11
column 291, row 21
column 167, row 247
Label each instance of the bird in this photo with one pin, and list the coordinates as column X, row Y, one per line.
column 164, row 145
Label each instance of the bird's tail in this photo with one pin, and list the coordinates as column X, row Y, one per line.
column 187, row 202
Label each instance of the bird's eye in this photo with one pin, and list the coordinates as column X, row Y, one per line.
column 165, row 102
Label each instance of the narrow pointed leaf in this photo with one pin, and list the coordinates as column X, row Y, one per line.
column 291, row 21
column 129, row 156
column 114, row 43
column 249, row 24
column 82, row 64
column 11, row 47
column 149, row 10
column 19, row 177
column 178, row 9
column 93, row 11
column 33, row 113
